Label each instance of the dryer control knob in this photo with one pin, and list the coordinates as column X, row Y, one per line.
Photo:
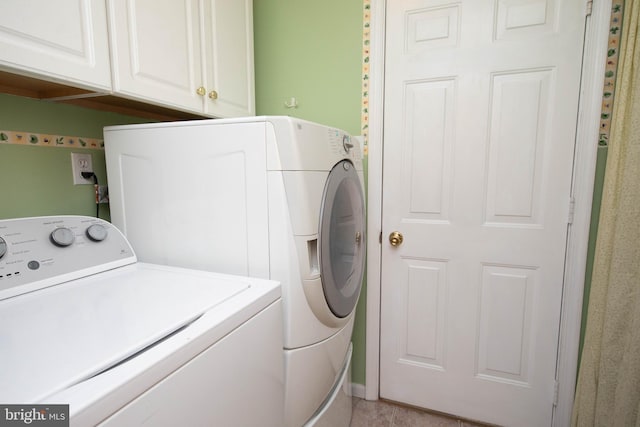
column 3, row 247
column 97, row 232
column 347, row 144
column 62, row 237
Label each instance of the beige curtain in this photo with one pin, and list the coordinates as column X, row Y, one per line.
column 608, row 392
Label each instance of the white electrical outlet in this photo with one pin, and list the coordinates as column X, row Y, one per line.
column 81, row 162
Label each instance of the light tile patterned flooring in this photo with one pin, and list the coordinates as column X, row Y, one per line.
column 386, row 414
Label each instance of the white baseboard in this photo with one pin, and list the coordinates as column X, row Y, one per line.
column 357, row 390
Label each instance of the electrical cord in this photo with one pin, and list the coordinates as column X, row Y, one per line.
column 87, row 175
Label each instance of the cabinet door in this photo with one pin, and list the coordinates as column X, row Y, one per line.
column 62, row 40
column 155, row 49
column 229, row 57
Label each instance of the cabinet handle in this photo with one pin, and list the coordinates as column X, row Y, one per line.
column 201, row 91
column 213, row 94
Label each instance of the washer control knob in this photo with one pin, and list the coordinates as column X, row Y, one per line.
column 62, row 237
column 97, row 232
column 3, row 247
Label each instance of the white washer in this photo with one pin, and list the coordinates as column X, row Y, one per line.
column 269, row 197
column 125, row 343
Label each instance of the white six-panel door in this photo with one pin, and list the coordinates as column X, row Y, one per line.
column 481, row 101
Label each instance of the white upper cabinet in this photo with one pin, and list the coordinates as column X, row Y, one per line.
column 61, row 40
column 191, row 55
column 229, row 75
column 155, row 51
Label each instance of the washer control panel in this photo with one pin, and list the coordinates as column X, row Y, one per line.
column 45, row 251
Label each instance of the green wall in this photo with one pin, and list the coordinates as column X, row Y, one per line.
column 601, row 163
column 37, row 180
column 312, row 50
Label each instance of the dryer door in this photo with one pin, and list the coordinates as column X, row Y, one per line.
column 342, row 239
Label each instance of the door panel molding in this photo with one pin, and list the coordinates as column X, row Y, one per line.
column 582, row 191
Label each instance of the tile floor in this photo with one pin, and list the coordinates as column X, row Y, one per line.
column 386, row 414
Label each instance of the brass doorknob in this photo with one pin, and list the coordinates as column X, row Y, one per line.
column 396, row 238
column 201, row 91
column 213, row 94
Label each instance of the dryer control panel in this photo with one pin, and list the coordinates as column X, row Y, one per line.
column 45, row 251
column 344, row 145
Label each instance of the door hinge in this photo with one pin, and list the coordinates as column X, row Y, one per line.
column 572, row 209
column 589, row 8
column 556, row 388
column 380, row 238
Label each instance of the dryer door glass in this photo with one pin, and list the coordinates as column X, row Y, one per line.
column 342, row 239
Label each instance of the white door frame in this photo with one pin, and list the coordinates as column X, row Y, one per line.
column 589, row 110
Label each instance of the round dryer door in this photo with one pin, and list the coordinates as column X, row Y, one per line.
column 342, row 239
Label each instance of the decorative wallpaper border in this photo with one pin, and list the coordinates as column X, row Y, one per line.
column 366, row 41
column 47, row 140
column 611, row 71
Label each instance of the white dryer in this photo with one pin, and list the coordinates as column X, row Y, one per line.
column 269, row 197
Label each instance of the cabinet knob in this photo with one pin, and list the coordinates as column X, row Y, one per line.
column 213, row 94
column 201, row 91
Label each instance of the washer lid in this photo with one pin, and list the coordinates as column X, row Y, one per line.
column 62, row 335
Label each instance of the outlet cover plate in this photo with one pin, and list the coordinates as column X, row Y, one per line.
column 81, row 162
